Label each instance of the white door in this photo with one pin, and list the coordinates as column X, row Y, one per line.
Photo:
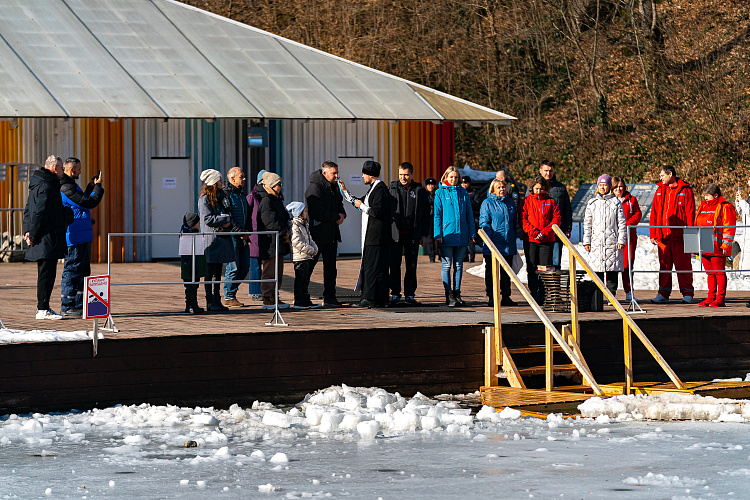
column 350, row 171
column 170, row 199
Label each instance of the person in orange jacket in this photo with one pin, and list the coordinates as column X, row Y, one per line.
column 632, row 218
column 715, row 211
column 673, row 205
column 540, row 212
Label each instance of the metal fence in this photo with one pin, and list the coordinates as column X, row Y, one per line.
column 277, row 320
column 11, row 226
column 702, row 236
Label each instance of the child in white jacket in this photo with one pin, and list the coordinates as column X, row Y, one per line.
column 303, row 252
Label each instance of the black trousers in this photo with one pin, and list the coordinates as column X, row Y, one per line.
column 328, row 252
column 375, row 261
column 410, row 250
column 611, row 280
column 45, row 281
column 302, row 272
column 540, row 254
column 504, row 277
column 213, row 291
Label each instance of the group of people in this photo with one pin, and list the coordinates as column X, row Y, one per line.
column 442, row 216
column 57, row 224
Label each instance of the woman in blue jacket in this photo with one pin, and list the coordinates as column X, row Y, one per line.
column 454, row 231
column 497, row 217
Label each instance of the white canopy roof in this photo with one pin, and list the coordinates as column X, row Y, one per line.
column 164, row 59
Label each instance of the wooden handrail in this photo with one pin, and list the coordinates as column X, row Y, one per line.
column 627, row 320
column 579, row 362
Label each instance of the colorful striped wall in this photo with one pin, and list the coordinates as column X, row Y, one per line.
column 123, row 150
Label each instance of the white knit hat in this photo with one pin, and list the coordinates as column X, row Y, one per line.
column 295, row 208
column 210, row 176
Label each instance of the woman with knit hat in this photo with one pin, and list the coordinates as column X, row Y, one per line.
column 273, row 216
column 214, row 218
column 604, row 233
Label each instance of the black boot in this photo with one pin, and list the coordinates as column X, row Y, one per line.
column 451, row 299
column 217, row 299
column 191, row 300
column 210, row 302
column 447, row 298
column 457, row 297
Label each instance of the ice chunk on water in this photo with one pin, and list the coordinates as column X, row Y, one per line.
column 486, row 413
column 277, row 419
column 330, row 421
column 368, row 429
column 204, row 419
column 279, row 458
column 510, row 413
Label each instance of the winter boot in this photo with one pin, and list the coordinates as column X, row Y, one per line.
column 451, row 299
column 448, row 298
column 217, row 305
column 191, row 300
column 457, row 297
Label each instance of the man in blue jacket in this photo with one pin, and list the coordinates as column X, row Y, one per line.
column 79, row 235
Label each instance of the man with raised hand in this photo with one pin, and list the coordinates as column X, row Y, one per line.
column 78, row 236
column 44, row 223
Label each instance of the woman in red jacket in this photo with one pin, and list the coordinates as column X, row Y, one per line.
column 716, row 211
column 540, row 212
column 632, row 218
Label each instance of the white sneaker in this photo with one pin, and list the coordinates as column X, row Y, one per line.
column 48, row 314
column 686, row 299
column 659, row 299
column 629, row 297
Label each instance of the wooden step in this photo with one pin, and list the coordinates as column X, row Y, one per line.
column 583, row 389
column 541, row 370
column 533, row 349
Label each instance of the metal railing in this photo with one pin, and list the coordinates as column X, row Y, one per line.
column 633, row 301
column 277, row 320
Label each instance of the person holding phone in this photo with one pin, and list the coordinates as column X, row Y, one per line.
column 79, row 235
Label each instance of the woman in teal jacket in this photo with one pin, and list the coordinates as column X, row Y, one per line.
column 454, row 231
column 498, row 217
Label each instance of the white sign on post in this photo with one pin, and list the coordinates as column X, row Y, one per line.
column 169, row 182
column 96, row 303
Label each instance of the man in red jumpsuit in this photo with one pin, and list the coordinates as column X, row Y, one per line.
column 673, row 205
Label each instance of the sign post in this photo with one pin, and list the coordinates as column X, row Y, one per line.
column 96, row 304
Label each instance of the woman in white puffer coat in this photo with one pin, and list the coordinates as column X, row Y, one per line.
column 604, row 233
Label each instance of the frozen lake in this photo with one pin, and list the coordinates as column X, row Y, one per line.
column 367, row 443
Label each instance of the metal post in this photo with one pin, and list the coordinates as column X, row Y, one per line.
column 277, row 319
column 96, row 336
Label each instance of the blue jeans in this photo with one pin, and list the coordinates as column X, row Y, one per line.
column 452, row 257
column 254, row 274
column 77, row 267
column 236, row 270
column 556, row 253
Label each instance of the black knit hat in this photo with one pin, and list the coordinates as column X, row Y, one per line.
column 371, row 168
column 430, row 180
column 191, row 219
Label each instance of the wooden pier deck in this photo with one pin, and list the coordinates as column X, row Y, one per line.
column 163, row 355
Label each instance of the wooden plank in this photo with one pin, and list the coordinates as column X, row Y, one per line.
column 628, row 349
column 548, row 361
column 511, row 371
column 574, row 324
column 490, row 362
column 543, row 370
column 533, row 349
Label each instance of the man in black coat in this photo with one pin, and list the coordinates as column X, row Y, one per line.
column 412, row 219
column 325, row 209
column 44, row 224
column 559, row 193
column 377, row 218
